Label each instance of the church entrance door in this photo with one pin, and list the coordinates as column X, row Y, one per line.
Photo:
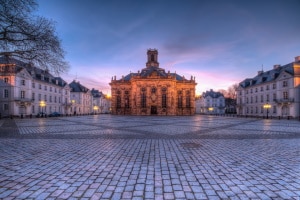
column 153, row 110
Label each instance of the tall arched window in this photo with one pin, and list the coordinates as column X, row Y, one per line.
column 179, row 100
column 127, row 99
column 188, row 99
column 143, row 98
column 118, row 99
column 164, row 98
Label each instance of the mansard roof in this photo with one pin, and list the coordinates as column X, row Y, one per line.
column 77, row 87
column 150, row 70
column 35, row 72
column 96, row 93
column 268, row 76
column 212, row 94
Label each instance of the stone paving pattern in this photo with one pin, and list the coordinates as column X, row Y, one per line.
column 130, row 157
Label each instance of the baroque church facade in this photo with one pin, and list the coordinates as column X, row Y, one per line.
column 153, row 91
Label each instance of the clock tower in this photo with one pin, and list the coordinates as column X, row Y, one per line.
column 152, row 58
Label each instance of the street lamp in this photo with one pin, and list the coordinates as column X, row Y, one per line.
column 73, row 102
column 42, row 104
column 211, row 109
column 95, row 109
column 267, row 106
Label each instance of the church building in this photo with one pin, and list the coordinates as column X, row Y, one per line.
column 153, row 91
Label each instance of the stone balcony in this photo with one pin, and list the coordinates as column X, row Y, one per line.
column 284, row 101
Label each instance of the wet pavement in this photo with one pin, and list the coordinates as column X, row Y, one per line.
column 133, row 157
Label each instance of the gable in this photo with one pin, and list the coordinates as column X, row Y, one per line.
column 284, row 75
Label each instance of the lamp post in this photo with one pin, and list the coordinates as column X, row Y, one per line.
column 267, row 106
column 73, row 102
column 42, row 104
column 95, row 109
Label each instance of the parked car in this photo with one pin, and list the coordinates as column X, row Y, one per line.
column 41, row 114
column 54, row 114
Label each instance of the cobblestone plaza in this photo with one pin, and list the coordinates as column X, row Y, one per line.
column 134, row 157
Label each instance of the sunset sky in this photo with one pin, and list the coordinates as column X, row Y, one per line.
column 221, row 42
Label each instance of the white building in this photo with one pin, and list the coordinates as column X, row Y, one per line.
column 272, row 93
column 81, row 99
column 211, row 102
column 27, row 90
column 101, row 103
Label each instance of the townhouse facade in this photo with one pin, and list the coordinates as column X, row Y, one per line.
column 272, row 93
column 211, row 102
column 101, row 102
column 26, row 90
column 81, row 99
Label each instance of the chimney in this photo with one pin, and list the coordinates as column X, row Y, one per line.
column 297, row 59
column 260, row 72
column 276, row 66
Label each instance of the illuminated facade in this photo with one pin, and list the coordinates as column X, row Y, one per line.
column 26, row 90
column 211, row 102
column 272, row 93
column 152, row 91
column 81, row 99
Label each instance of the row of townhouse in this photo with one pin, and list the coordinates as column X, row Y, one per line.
column 272, row 93
column 210, row 102
column 27, row 90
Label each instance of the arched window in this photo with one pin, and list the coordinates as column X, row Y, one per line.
column 153, row 90
column 152, row 57
column 143, row 98
column 118, row 101
column 179, row 100
column 188, row 99
column 164, row 98
column 127, row 99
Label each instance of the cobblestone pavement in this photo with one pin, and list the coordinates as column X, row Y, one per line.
column 130, row 157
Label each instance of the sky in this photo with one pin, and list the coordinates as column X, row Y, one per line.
column 220, row 42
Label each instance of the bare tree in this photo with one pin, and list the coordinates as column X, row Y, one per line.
column 231, row 91
column 30, row 38
column 224, row 92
